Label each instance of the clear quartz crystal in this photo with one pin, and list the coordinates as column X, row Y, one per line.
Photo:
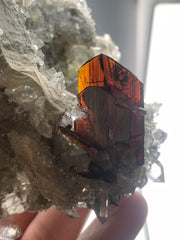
column 73, row 111
column 153, row 139
column 21, row 94
column 12, row 204
column 1, row 32
column 102, row 206
column 9, row 230
column 2, row 75
column 156, row 173
column 103, row 215
column 71, row 213
column 16, row 202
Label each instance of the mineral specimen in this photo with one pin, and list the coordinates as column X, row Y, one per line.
column 112, row 97
column 42, row 45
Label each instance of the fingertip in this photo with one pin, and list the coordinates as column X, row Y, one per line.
column 54, row 224
column 132, row 215
column 124, row 222
column 23, row 219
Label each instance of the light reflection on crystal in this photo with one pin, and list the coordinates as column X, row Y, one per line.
column 16, row 202
column 2, row 75
column 77, row 26
column 103, row 203
column 73, row 112
column 12, row 204
column 20, row 94
column 156, row 173
column 35, row 47
column 153, row 139
column 159, row 137
column 1, row 32
column 96, row 48
column 9, row 230
column 84, row 190
column 71, row 213
column 82, row 205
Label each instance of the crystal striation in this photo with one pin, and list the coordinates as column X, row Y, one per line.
column 42, row 45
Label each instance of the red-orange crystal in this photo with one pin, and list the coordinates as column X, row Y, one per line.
column 112, row 97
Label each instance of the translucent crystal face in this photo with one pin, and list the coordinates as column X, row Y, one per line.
column 113, row 130
column 153, row 139
column 16, row 202
column 109, row 93
column 9, row 230
column 1, row 32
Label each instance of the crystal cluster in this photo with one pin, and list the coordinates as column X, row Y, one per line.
column 153, row 139
column 9, row 230
column 42, row 45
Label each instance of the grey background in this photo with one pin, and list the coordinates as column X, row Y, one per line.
column 118, row 18
column 129, row 24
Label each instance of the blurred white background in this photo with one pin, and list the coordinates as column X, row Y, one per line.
column 163, row 85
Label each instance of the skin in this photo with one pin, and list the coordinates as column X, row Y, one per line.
column 124, row 223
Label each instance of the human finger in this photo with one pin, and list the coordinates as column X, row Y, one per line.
column 124, row 222
column 23, row 219
column 53, row 224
